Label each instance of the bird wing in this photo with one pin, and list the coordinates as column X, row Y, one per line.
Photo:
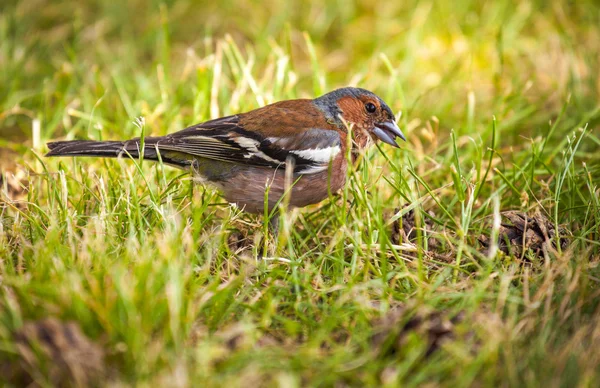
column 226, row 139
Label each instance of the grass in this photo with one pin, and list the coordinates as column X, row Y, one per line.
column 499, row 102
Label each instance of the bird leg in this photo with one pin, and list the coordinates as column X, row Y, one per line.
column 274, row 225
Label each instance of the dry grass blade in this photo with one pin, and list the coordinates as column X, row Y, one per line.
column 14, row 184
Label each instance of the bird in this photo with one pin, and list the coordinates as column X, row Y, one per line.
column 294, row 147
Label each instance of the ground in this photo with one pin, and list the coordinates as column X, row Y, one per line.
column 468, row 257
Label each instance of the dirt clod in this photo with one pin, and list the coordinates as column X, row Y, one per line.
column 404, row 229
column 57, row 352
column 520, row 233
column 239, row 241
column 393, row 329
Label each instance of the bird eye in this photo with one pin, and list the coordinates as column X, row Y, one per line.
column 370, row 107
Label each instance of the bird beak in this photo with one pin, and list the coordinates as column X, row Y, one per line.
column 387, row 132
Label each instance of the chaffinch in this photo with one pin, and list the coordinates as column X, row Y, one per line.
column 245, row 153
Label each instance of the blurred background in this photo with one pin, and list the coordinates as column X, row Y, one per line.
column 60, row 60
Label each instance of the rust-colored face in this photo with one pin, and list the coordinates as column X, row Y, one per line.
column 363, row 111
column 371, row 115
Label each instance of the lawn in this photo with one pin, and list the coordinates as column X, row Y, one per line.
column 467, row 257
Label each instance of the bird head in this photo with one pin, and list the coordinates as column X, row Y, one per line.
column 362, row 109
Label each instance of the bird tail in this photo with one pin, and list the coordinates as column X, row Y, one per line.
column 104, row 149
column 112, row 149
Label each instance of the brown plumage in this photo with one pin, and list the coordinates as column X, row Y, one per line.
column 244, row 154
